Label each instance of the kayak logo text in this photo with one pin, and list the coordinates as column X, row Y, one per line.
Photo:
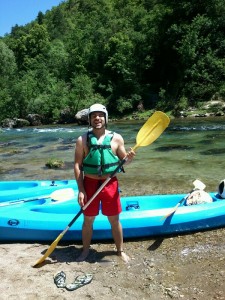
column 13, row 222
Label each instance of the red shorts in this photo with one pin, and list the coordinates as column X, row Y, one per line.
column 108, row 197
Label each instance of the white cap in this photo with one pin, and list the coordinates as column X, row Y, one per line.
column 98, row 107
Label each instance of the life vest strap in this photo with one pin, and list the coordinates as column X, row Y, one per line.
column 96, row 147
column 97, row 166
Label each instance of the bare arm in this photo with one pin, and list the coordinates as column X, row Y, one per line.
column 119, row 148
column 78, row 161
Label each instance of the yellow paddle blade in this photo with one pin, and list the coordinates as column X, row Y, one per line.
column 152, row 129
column 50, row 249
column 64, row 194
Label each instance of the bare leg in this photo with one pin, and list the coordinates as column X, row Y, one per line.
column 86, row 237
column 117, row 233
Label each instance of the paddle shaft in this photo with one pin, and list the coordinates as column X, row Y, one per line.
column 178, row 204
column 185, row 198
column 182, row 200
column 22, row 201
column 57, row 195
column 197, row 185
column 95, row 194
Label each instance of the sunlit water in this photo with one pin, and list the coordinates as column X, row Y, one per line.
column 187, row 150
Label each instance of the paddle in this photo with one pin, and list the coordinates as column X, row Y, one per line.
column 149, row 132
column 58, row 195
column 197, row 185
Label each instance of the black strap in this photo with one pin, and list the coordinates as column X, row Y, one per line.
column 97, row 166
column 95, row 147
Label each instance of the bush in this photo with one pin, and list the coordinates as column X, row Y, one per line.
column 54, row 163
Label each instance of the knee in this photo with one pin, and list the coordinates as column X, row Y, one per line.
column 88, row 222
column 114, row 220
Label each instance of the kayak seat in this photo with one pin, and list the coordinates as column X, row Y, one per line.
column 217, row 197
column 132, row 205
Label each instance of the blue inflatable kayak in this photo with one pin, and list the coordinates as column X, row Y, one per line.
column 18, row 190
column 142, row 216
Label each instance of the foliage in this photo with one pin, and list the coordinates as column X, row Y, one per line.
column 54, row 163
column 166, row 54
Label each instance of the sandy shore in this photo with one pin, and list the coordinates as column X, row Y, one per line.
column 179, row 267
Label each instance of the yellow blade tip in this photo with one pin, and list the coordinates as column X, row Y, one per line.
column 49, row 251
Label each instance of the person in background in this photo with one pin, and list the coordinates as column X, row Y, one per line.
column 97, row 154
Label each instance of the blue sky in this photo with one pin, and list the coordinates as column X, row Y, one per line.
column 21, row 12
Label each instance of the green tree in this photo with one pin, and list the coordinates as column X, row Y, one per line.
column 57, row 59
column 167, row 54
column 81, row 92
column 40, row 18
column 8, row 71
column 31, row 46
column 8, row 66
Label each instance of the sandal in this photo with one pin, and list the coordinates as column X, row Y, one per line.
column 60, row 279
column 79, row 282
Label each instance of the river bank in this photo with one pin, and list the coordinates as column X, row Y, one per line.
column 212, row 108
column 180, row 267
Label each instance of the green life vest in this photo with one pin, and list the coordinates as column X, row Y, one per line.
column 100, row 160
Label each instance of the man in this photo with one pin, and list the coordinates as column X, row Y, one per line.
column 97, row 154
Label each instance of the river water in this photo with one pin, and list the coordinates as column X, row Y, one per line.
column 189, row 149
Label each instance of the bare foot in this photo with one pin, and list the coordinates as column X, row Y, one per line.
column 123, row 256
column 83, row 256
